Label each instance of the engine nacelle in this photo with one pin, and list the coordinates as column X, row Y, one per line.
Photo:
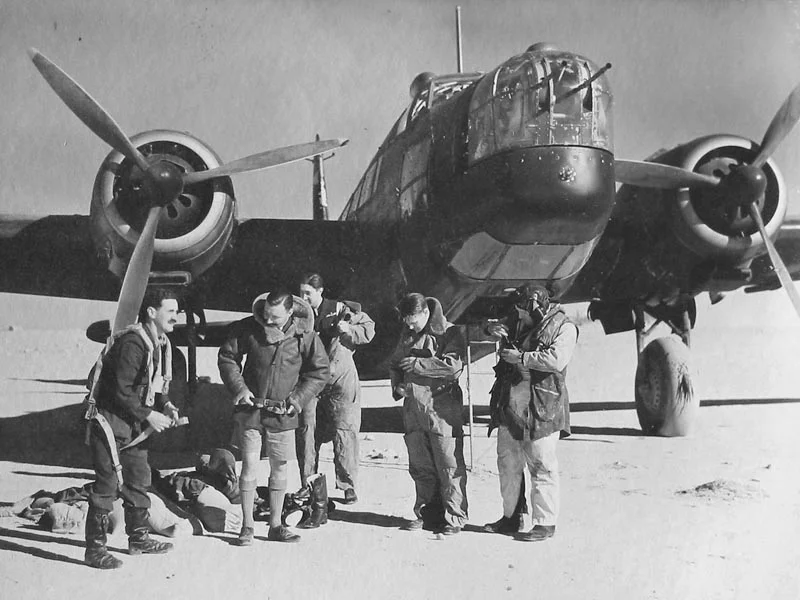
column 703, row 221
column 193, row 230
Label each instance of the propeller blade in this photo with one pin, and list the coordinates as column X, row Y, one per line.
column 782, row 123
column 86, row 108
column 780, row 268
column 136, row 276
column 270, row 158
column 655, row 175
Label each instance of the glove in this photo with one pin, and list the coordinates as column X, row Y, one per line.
column 293, row 406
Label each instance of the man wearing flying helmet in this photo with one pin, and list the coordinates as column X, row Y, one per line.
column 529, row 406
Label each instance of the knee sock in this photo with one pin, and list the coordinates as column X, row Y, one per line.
column 248, row 502
column 276, row 506
column 277, row 490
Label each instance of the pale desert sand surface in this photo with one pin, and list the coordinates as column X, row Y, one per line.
column 626, row 530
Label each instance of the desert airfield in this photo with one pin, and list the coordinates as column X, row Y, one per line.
column 637, row 519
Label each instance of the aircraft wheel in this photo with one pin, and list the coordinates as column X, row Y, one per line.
column 665, row 402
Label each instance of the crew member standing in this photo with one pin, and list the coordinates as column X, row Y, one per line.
column 286, row 368
column 529, row 407
column 129, row 393
column 424, row 371
column 343, row 326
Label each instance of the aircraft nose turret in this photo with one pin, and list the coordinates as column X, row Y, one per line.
column 540, row 132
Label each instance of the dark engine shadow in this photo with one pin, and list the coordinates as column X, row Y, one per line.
column 367, row 518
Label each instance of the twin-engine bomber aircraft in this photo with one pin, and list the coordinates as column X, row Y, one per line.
column 486, row 181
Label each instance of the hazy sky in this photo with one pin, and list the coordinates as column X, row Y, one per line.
column 249, row 75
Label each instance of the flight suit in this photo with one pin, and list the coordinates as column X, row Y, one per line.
column 433, row 414
column 338, row 414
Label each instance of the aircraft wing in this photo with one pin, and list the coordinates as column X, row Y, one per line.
column 53, row 256
column 267, row 253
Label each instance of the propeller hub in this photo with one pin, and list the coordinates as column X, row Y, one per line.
column 167, row 182
column 745, row 185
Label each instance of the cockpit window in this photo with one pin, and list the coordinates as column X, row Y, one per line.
column 509, row 103
column 540, row 98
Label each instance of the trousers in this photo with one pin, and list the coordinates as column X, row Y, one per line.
column 436, row 465
column 135, row 473
column 542, row 462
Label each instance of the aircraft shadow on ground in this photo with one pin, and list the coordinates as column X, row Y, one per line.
column 55, row 437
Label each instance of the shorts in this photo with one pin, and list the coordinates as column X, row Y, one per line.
column 279, row 444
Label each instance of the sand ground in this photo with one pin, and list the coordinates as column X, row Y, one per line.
column 626, row 530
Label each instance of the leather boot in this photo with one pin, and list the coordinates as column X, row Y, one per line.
column 296, row 509
column 97, row 555
column 139, row 541
column 319, row 503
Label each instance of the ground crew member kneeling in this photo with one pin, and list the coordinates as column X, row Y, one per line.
column 128, row 398
column 424, row 372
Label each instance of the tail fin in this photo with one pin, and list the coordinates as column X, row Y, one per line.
column 319, row 192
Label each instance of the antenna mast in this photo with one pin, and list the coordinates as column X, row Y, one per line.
column 458, row 40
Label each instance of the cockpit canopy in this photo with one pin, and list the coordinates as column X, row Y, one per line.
column 539, row 98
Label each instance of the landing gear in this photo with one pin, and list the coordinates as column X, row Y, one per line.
column 665, row 400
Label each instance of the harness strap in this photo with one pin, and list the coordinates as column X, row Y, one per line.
column 112, row 446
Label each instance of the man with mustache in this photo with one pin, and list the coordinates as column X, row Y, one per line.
column 131, row 394
column 285, row 369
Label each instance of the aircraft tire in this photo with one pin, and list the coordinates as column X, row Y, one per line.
column 665, row 400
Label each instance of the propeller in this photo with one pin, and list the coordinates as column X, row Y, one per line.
column 162, row 181
column 777, row 262
column 655, row 175
column 86, row 108
column 134, row 283
column 264, row 160
column 742, row 188
column 782, row 123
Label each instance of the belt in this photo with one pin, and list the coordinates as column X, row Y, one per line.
column 443, row 388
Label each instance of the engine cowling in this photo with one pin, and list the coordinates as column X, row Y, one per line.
column 703, row 220
column 193, row 230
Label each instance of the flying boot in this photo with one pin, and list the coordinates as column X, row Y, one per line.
column 139, row 540
column 319, row 503
column 296, row 507
column 97, row 555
